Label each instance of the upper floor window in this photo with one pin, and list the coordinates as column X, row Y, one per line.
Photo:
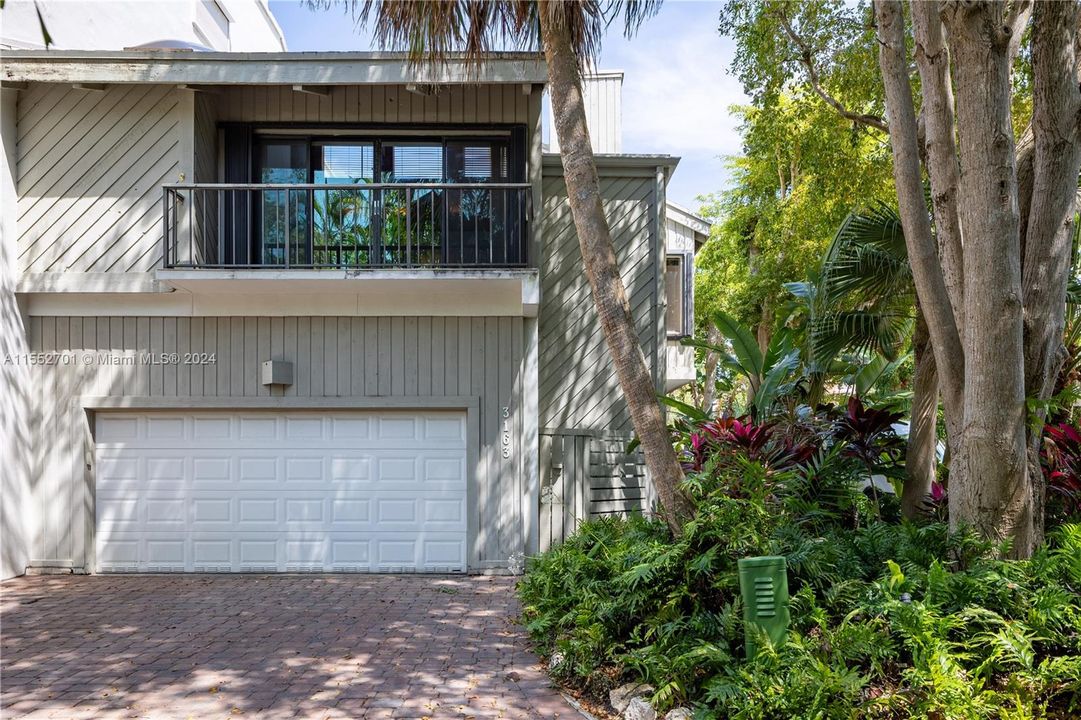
column 212, row 24
column 677, row 296
column 334, row 200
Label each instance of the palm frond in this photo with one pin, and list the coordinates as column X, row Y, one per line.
column 868, row 272
column 867, row 257
column 859, row 330
column 432, row 32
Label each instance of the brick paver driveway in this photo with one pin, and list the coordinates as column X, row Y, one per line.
column 200, row 646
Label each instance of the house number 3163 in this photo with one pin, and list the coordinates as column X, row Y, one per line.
column 505, row 435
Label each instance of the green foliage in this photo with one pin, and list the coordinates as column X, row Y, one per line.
column 889, row 620
column 768, row 375
column 854, row 315
column 802, row 170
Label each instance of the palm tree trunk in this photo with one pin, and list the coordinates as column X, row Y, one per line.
column 920, row 456
column 598, row 254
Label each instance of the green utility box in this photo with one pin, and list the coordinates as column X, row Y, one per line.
column 763, row 583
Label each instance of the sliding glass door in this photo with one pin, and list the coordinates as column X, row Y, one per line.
column 343, row 231
column 283, row 213
column 427, row 222
column 413, row 218
column 478, row 219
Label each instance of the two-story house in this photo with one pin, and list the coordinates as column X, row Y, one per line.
column 304, row 312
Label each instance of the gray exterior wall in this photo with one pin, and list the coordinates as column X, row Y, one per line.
column 15, row 381
column 377, row 104
column 578, row 387
column 205, row 131
column 90, row 164
column 90, row 168
column 603, row 96
column 585, row 470
column 345, row 362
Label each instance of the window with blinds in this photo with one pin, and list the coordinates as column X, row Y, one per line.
column 412, row 162
column 477, row 161
column 346, row 164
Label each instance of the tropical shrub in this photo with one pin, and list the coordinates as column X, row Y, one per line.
column 1060, row 458
column 889, row 619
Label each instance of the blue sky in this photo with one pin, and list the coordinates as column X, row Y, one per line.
column 676, row 86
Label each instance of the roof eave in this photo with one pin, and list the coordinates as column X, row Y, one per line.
column 281, row 68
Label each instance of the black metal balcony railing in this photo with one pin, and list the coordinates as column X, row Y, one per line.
column 345, row 226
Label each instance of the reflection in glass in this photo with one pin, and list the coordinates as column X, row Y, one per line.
column 342, row 219
column 284, row 212
column 412, row 218
column 478, row 218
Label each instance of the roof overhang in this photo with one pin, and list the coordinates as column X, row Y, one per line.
column 699, row 225
column 619, row 165
column 375, row 292
column 284, row 68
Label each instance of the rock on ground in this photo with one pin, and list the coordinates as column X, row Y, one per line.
column 639, row 709
column 621, row 697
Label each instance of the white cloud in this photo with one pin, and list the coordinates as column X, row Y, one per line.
column 677, row 89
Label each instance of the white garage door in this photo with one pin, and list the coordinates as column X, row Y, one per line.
column 281, row 492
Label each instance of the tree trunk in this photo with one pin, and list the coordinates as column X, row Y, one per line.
column 921, row 458
column 927, row 276
column 992, row 493
column 709, row 383
column 940, row 151
column 1048, row 232
column 598, row 254
column 764, row 331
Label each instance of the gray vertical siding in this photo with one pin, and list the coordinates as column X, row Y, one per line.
column 376, row 104
column 400, row 357
column 206, row 138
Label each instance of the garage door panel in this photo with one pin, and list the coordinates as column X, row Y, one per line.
column 120, row 468
column 221, row 511
column 389, row 430
column 293, row 552
column 438, row 554
column 236, row 492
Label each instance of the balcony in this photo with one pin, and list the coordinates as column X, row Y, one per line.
column 351, row 227
column 368, row 249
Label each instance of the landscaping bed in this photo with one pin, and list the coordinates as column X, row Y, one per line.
column 890, row 619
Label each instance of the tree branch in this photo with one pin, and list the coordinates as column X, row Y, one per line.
column 1013, row 27
column 807, row 60
column 933, row 61
column 922, row 254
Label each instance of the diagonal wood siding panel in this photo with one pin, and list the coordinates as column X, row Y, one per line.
column 578, row 388
column 89, row 172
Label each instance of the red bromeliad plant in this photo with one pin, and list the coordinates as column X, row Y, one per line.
column 732, row 438
column 869, row 436
column 1060, row 458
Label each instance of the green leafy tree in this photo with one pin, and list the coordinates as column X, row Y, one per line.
column 802, row 170
column 990, row 119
